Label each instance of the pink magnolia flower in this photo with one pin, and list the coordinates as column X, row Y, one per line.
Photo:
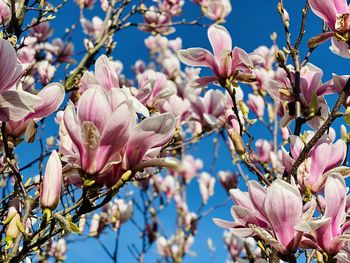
column 180, row 108
column 168, row 185
column 103, row 138
column 206, row 186
column 52, row 183
column 42, row 31
column 216, row 10
column 63, row 51
column 210, row 109
column 273, row 215
column 322, row 158
column 336, row 14
column 14, row 103
column 46, row 71
column 5, row 13
column 337, row 84
column 86, row 3
column 256, row 104
column 310, row 85
column 153, row 87
column 234, row 243
column 173, row 7
column 333, row 235
column 92, row 28
column 52, row 97
column 94, row 128
column 228, row 180
column 190, row 167
column 157, row 21
column 225, row 63
column 119, row 211
column 263, row 149
column 58, row 249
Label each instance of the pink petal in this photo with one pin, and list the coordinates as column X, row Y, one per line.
column 283, row 206
column 197, row 57
column 52, row 96
column 151, row 132
column 94, row 106
column 220, row 40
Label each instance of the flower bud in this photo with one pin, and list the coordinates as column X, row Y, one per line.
column 52, row 183
column 237, row 142
column 280, row 57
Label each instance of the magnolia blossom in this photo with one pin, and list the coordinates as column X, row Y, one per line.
column 333, row 235
column 58, row 249
column 94, row 27
column 323, row 157
column 190, row 167
column 15, row 103
column 216, row 9
column 234, row 243
column 105, row 112
column 119, row 211
column 263, row 150
column 42, row 30
column 336, row 14
column 206, row 186
column 173, row 7
column 274, row 215
column 52, row 97
column 168, row 185
column 157, row 21
column 228, row 180
column 256, row 104
column 52, row 183
column 153, row 87
column 5, row 13
column 310, row 85
column 225, row 63
column 175, row 246
column 210, row 109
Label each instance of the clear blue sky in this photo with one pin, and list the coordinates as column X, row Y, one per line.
column 250, row 24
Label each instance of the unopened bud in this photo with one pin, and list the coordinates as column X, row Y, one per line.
column 280, row 57
column 237, row 142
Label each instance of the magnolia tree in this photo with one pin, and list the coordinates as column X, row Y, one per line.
column 119, row 151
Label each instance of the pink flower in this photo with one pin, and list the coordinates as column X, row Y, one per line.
column 154, row 87
column 42, row 31
column 263, row 149
column 5, row 13
column 256, row 104
column 225, row 63
column 52, row 183
column 310, row 85
column 216, row 10
column 190, row 167
column 93, row 129
column 210, row 109
column 14, row 103
column 157, row 21
column 336, row 14
column 228, row 180
column 52, row 97
column 92, row 28
column 173, row 7
column 206, row 186
column 322, row 158
column 273, row 215
column 331, row 236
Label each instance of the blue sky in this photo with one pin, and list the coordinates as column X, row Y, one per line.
column 250, row 24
